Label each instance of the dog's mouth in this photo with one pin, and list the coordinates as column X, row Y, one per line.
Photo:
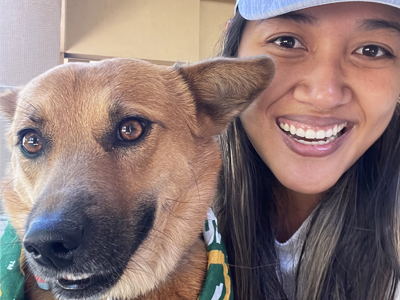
column 85, row 286
column 72, row 282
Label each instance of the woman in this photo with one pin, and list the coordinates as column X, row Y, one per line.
column 308, row 201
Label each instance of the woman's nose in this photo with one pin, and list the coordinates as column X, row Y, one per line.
column 324, row 84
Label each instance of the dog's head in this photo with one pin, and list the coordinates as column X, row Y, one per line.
column 114, row 165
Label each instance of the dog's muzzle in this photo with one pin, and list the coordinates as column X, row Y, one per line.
column 80, row 255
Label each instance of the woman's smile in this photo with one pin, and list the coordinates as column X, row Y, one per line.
column 310, row 136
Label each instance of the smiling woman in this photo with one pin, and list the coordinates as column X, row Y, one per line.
column 338, row 69
column 308, row 199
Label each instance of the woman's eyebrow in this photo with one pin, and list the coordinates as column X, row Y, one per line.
column 297, row 17
column 377, row 24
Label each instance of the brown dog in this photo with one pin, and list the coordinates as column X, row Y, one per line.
column 114, row 166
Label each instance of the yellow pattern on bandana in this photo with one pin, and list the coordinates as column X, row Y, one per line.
column 217, row 285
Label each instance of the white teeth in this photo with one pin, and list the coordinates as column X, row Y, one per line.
column 300, row 132
column 292, row 130
column 316, row 142
column 286, row 127
column 312, row 134
column 335, row 130
column 76, row 277
column 329, row 133
column 302, row 142
column 320, row 134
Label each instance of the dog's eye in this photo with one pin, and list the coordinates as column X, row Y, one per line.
column 31, row 143
column 131, row 129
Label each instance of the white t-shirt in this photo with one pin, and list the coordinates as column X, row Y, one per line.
column 289, row 255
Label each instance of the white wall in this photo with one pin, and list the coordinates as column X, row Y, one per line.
column 163, row 31
column 213, row 17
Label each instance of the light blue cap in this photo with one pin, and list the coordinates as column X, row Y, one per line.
column 265, row 9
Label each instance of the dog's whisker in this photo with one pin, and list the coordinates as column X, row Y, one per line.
column 176, row 200
column 28, row 110
column 153, row 230
column 30, row 104
column 163, row 233
column 25, row 266
column 197, row 184
column 136, row 271
column 7, row 185
column 149, row 249
column 251, row 268
column 177, row 216
column 148, row 265
column 141, row 269
column 160, row 238
column 28, row 290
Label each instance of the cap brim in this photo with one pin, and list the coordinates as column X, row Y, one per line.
column 265, row 9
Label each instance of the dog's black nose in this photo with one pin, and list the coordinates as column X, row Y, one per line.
column 52, row 241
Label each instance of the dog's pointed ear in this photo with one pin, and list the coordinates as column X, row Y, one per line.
column 8, row 102
column 223, row 87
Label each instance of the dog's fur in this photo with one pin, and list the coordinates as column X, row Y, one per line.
column 138, row 207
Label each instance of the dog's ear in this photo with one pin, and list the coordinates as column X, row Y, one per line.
column 8, row 102
column 223, row 87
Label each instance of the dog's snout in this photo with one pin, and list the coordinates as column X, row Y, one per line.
column 52, row 242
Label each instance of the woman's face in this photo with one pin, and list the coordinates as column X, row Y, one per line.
column 336, row 86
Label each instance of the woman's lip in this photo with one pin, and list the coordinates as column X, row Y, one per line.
column 314, row 150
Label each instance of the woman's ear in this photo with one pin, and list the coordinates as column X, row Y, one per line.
column 228, row 24
column 224, row 87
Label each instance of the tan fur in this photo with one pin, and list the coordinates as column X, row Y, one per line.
column 174, row 168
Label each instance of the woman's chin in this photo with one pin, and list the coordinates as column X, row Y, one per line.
column 304, row 185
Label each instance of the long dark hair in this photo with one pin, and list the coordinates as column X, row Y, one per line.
column 352, row 246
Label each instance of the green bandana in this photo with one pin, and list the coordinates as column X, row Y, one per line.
column 217, row 285
column 11, row 274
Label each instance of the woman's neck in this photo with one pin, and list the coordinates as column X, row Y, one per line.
column 293, row 209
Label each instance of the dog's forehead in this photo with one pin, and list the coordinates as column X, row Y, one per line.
column 87, row 90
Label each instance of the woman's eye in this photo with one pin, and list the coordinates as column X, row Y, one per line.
column 373, row 51
column 287, row 42
column 31, row 143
